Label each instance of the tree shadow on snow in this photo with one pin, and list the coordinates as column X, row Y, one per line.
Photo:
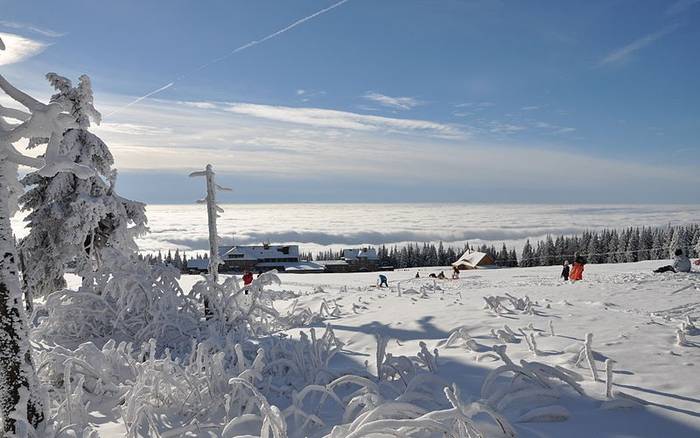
column 664, row 394
column 427, row 330
column 587, row 419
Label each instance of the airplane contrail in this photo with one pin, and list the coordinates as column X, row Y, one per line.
column 231, row 53
column 145, row 96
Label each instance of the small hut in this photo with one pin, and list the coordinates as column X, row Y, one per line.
column 474, row 260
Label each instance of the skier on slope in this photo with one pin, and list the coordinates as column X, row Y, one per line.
column 383, row 282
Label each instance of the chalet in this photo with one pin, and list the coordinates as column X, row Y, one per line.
column 361, row 259
column 197, row 266
column 474, row 260
column 334, row 266
column 259, row 258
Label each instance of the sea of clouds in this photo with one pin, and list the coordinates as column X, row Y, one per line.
column 321, row 226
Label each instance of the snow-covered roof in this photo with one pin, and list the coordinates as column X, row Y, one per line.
column 292, row 266
column 261, row 252
column 360, row 253
column 223, row 249
column 202, row 264
column 332, row 262
column 473, row 259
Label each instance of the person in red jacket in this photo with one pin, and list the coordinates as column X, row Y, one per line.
column 576, row 273
column 247, row 278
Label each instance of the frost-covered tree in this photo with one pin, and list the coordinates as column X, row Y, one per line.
column 658, row 245
column 17, row 373
column 213, row 211
column 21, row 404
column 632, row 254
column 71, row 219
column 679, row 240
column 527, row 258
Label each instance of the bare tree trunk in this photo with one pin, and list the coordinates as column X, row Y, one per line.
column 18, row 381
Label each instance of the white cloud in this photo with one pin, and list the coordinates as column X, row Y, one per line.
column 307, row 95
column 302, row 143
column 131, row 129
column 473, row 107
column 25, row 26
column 505, row 128
column 680, row 6
column 326, row 118
column 530, row 108
column 201, row 105
column 18, row 48
column 403, row 103
column 621, row 54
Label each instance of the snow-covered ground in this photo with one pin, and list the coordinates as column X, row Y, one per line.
column 623, row 305
column 632, row 313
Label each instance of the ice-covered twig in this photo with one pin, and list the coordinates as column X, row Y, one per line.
column 586, row 353
column 681, row 340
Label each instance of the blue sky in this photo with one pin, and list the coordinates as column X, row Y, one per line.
column 393, row 100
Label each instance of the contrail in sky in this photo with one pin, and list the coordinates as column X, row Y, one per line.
column 231, row 53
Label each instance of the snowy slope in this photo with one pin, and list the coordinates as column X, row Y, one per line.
column 615, row 303
column 632, row 313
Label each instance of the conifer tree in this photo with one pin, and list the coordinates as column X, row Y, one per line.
column 20, row 398
column 73, row 219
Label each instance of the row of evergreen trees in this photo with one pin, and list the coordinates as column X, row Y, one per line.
column 615, row 246
column 604, row 246
column 428, row 254
column 175, row 259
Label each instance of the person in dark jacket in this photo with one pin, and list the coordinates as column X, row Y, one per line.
column 383, row 282
column 565, row 271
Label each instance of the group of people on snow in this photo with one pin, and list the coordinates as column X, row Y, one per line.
column 681, row 263
column 441, row 275
column 575, row 272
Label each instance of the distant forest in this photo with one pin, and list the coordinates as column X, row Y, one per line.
column 604, row 246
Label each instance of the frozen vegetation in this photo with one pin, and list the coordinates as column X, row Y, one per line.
column 95, row 342
column 333, row 355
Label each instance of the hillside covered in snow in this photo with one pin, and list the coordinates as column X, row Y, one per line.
column 632, row 314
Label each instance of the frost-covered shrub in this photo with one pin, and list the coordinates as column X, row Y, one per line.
column 275, row 387
column 533, row 386
column 510, row 304
column 127, row 300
